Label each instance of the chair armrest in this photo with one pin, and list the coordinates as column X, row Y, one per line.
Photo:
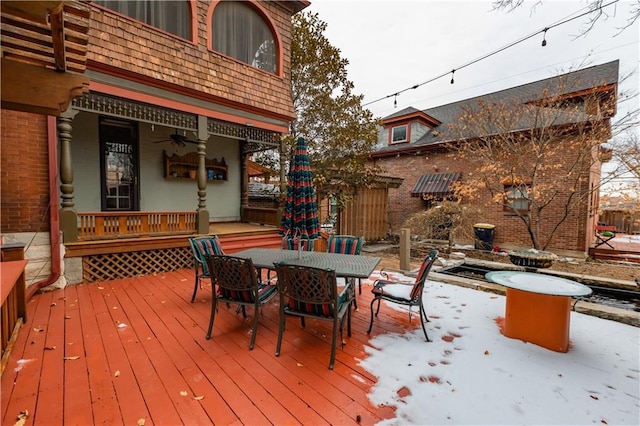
column 384, row 273
column 381, row 283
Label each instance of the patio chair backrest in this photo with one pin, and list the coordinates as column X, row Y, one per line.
column 421, row 278
column 205, row 246
column 312, row 291
column 235, row 277
column 345, row 244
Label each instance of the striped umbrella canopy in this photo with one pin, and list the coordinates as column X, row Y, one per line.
column 300, row 215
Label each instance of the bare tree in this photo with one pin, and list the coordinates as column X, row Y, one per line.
column 539, row 161
column 627, row 153
column 597, row 7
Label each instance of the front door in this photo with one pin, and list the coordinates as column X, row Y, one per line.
column 119, row 166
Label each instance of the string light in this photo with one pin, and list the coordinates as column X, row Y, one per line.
column 495, row 52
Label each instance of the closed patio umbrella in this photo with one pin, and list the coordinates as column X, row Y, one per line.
column 300, row 214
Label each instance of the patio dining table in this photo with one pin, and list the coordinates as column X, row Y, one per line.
column 345, row 265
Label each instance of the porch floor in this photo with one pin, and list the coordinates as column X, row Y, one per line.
column 119, row 351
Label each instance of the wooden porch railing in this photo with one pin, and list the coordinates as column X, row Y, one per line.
column 14, row 311
column 262, row 215
column 105, row 225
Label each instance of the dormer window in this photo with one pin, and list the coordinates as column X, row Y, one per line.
column 400, row 134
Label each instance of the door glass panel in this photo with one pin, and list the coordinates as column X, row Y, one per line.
column 119, row 165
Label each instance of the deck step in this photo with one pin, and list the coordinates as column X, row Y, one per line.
column 232, row 244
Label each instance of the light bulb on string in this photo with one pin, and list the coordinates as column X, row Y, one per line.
column 544, row 37
column 452, row 71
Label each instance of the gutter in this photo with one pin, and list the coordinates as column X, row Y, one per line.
column 54, row 211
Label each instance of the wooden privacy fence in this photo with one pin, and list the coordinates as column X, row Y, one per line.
column 104, row 225
column 366, row 214
column 625, row 222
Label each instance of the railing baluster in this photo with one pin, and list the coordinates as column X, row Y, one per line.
column 100, row 225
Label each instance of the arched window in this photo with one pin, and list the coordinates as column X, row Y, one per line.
column 239, row 31
column 171, row 16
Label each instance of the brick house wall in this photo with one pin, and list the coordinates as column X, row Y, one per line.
column 510, row 231
column 24, row 173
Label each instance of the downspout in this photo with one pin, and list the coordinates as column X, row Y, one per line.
column 54, row 210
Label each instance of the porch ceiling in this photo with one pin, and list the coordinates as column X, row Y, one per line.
column 44, row 45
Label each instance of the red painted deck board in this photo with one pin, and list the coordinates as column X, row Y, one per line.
column 141, row 345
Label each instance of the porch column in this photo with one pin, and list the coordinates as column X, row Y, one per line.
column 244, row 180
column 283, row 175
column 68, row 216
column 201, row 176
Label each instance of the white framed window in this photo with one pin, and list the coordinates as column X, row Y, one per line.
column 171, row 16
column 242, row 33
column 400, row 133
column 516, row 199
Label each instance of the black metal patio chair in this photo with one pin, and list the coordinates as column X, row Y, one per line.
column 200, row 247
column 346, row 244
column 408, row 294
column 235, row 281
column 308, row 292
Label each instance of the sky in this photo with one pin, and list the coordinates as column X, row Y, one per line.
column 471, row 374
column 393, row 45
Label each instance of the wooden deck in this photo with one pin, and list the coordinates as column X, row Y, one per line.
column 119, row 351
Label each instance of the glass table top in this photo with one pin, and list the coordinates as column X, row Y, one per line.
column 538, row 283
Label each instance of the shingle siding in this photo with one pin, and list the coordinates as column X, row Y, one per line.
column 117, row 42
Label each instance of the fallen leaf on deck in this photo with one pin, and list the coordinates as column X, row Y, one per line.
column 100, row 288
column 198, row 398
column 22, row 418
column 67, row 317
column 49, row 348
column 71, row 358
column 184, row 279
column 122, row 325
column 184, row 393
column 53, row 303
column 141, row 422
column 299, row 365
column 38, row 329
column 115, row 307
column 117, row 373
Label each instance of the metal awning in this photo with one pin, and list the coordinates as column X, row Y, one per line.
column 438, row 184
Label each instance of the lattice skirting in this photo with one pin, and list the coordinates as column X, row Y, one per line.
column 112, row 266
